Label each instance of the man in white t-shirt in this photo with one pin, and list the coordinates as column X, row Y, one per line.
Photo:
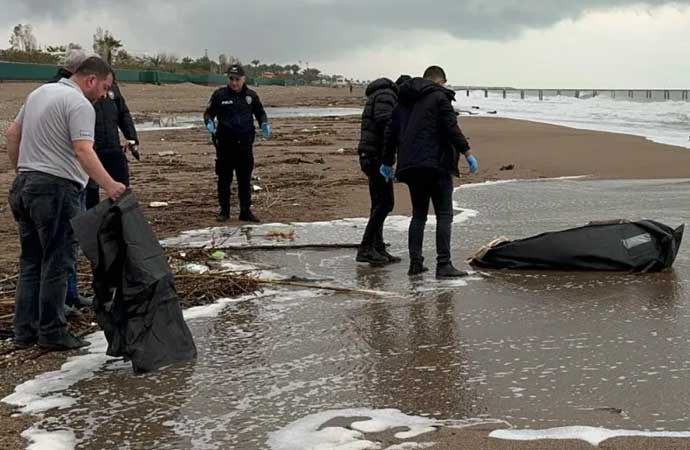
column 50, row 146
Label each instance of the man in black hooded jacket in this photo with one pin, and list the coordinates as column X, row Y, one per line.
column 425, row 135
column 382, row 96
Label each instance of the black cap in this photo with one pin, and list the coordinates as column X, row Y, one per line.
column 236, row 70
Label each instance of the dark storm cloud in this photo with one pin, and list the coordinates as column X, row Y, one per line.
column 312, row 29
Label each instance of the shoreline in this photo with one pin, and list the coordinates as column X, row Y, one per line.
column 305, row 176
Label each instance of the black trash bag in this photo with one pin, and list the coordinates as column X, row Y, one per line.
column 643, row 246
column 135, row 302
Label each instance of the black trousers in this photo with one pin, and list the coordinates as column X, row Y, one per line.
column 426, row 185
column 236, row 157
column 115, row 163
column 382, row 202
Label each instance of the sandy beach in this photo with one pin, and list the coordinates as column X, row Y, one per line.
column 308, row 171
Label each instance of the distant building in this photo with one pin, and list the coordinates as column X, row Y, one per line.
column 267, row 74
column 339, row 80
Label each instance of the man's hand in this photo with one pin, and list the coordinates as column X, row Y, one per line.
column 115, row 190
column 386, row 172
column 211, row 127
column 472, row 162
column 133, row 148
column 265, row 130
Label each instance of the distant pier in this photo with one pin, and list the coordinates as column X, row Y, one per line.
column 632, row 94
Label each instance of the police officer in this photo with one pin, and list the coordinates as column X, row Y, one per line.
column 112, row 115
column 233, row 106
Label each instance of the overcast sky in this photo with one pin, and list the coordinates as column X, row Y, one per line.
column 522, row 43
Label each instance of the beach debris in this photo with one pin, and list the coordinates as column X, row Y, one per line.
column 278, row 235
column 166, row 153
column 158, row 204
column 340, row 151
column 507, row 167
column 368, row 292
column 196, row 268
column 257, row 188
column 218, row 254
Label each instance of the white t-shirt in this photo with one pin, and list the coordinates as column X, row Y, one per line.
column 54, row 116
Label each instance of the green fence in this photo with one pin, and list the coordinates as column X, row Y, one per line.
column 11, row 71
column 24, row 71
column 276, row 82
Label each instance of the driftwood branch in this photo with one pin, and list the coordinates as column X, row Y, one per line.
column 332, row 288
column 289, row 246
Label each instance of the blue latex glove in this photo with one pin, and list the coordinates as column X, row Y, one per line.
column 472, row 162
column 386, row 172
column 265, row 130
column 211, row 127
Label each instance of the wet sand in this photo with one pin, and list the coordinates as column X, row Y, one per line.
column 309, row 171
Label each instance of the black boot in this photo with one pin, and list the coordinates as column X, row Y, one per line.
column 67, row 341
column 417, row 268
column 367, row 254
column 448, row 271
column 391, row 258
column 223, row 215
column 248, row 216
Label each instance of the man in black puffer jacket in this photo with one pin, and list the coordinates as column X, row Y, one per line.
column 425, row 135
column 382, row 96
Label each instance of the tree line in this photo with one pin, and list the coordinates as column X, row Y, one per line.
column 24, row 48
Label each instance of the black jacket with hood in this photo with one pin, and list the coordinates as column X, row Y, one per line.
column 382, row 96
column 424, row 131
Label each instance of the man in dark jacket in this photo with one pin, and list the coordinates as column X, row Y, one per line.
column 425, row 135
column 382, row 96
column 234, row 107
column 112, row 115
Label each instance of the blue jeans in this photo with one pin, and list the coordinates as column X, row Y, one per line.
column 42, row 206
column 72, row 283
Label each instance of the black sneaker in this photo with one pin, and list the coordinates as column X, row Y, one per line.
column 416, row 269
column 67, row 342
column 80, row 302
column 223, row 216
column 391, row 259
column 22, row 344
column 448, row 271
column 371, row 256
column 71, row 312
column 248, row 216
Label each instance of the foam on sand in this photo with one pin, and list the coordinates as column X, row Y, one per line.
column 592, row 435
column 308, row 433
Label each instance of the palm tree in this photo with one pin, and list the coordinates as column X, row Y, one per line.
column 105, row 44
